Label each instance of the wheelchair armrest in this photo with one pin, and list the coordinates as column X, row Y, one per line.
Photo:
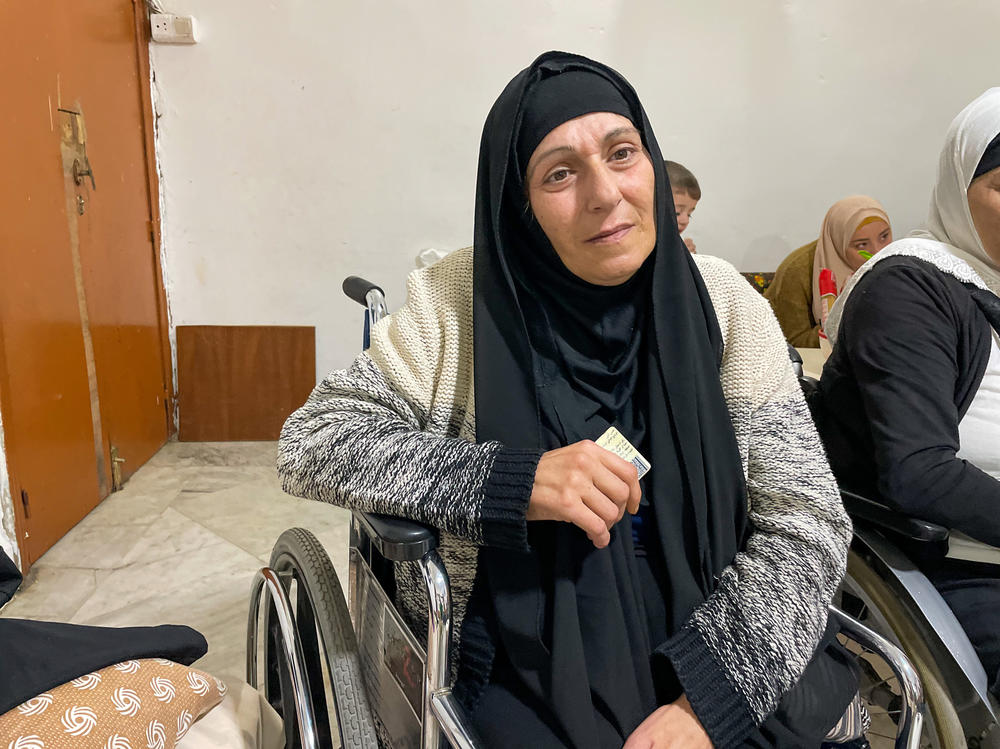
column 397, row 539
column 891, row 520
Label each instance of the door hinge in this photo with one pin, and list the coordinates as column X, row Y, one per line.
column 26, row 504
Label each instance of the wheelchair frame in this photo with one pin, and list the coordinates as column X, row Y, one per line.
column 963, row 673
column 376, row 537
column 875, row 525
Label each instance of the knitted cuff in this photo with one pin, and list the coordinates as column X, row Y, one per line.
column 505, row 498
column 722, row 710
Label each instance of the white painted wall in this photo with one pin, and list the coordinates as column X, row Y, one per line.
column 300, row 142
column 7, row 532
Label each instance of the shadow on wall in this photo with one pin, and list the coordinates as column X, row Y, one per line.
column 7, row 534
column 761, row 252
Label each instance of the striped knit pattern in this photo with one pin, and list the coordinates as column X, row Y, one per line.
column 395, row 434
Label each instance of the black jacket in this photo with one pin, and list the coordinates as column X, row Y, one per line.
column 913, row 345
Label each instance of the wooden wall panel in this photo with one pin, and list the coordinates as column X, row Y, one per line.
column 240, row 382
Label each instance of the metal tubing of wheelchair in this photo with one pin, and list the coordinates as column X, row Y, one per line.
column 376, row 305
column 267, row 579
column 911, row 719
column 438, row 642
column 452, row 720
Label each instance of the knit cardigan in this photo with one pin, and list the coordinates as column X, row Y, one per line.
column 395, row 434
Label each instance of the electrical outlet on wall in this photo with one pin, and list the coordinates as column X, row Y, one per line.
column 170, row 29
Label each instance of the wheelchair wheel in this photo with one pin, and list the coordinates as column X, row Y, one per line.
column 869, row 599
column 329, row 646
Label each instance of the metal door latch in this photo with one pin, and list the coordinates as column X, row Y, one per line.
column 83, row 170
column 116, row 469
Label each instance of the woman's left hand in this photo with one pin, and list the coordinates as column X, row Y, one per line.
column 673, row 726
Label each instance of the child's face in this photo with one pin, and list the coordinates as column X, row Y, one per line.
column 684, row 205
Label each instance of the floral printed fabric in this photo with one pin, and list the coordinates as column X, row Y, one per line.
column 141, row 704
column 759, row 280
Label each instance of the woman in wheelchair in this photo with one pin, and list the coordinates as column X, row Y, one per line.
column 909, row 402
column 593, row 609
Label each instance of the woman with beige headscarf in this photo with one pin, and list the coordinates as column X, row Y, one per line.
column 854, row 229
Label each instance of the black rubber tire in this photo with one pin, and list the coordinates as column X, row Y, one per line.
column 895, row 622
column 298, row 554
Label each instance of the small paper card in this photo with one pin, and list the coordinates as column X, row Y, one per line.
column 615, row 441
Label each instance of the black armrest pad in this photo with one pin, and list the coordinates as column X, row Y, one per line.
column 862, row 508
column 357, row 289
column 396, row 539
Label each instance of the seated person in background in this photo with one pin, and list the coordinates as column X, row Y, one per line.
column 475, row 411
column 909, row 402
column 687, row 193
column 854, row 229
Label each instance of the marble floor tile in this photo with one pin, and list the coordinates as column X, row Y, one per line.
column 130, row 508
column 101, row 576
column 215, row 605
column 216, row 453
column 180, row 543
column 172, row 535
column 252, row 515
column 156, row 480
column 94, row 544
column 186, row 580
column 216, row 478
column 51, row 594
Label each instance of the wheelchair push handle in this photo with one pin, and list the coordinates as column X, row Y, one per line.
column 357, row 289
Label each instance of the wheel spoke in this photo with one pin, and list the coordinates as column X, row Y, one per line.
column 878, row 710
column 876, row 685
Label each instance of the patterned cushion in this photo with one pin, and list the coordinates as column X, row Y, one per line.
column 144, row 704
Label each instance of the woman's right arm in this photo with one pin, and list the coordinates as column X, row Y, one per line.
column 902, row 343
column 372, row 437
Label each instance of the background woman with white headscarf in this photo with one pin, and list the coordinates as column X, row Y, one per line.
column 909, row 402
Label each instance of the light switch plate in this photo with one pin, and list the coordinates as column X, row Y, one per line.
column 170, row 29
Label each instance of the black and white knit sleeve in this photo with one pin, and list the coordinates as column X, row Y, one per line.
column 750, row 642
column 387, row 436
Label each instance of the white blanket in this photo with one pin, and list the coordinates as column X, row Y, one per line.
column 242, row 719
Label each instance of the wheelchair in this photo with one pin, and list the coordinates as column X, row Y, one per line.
column 885, row 590
column 355, row 673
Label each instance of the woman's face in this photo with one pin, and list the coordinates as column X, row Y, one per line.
column 866, row 241
column 591, row 188
column 984, row 205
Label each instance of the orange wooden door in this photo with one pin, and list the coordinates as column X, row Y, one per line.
column 117, row 251
column 82, row 342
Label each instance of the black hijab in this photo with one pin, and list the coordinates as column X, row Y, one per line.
column 557, row 360
column 990, row 159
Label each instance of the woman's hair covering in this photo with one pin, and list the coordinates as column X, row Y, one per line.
column 561, row 98
column 949, row 222
column 839, row 225
column 524, row 314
